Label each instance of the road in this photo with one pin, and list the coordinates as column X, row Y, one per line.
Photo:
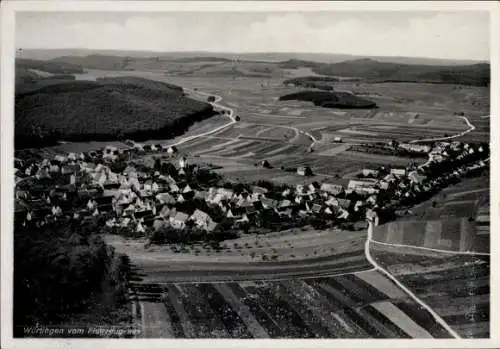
column 215, row 104
column 460, row 134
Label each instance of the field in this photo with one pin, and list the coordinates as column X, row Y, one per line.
column 451, row 223
column 300, row 252
column 364, row 305
column 456, row 287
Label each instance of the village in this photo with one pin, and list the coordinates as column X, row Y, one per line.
column 185, row 202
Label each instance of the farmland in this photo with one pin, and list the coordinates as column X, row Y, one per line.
column 302, row 282
column 456, row 287
column 457, row 219
column 363, row 305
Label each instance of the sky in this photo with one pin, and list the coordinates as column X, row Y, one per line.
column 449, row 35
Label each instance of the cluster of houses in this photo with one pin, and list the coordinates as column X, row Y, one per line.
column 143, row 201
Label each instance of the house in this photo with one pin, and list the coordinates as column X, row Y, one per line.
column 399, row 172
column 124, row 222
column 311, row 188
column 417, row 148
column 138, row 147
column 332, row 201
column 202, row 195
column 416, row 177
column 390, row 178
column 187, row 189
column 42, row 173
column 167, row 212
column 129, row 170
column 111, row 222
column 329, row 210
column 243, row 219
column 370, row 172
column 265, row 164
column 316, row 208
column 227, row 193
column 304, row 171
column 171, row 150
column 361, row 184
column 229, row 214
column 182, row 162
column 180, row 198
column 165, row 198
column 337, row 139
column 174, row 188
column 110, row 193
column 140, row 228
column 203, row 220
column 179, row 220
column 334, row 189
column 299, row 189
column 60, row 158
column 159, row 224
column 344, row 214
column 286, row 213
column 383, row 185
column 215, row 198
column 259, row 190
column 155, row 187
column 358, row 205
column 268, row 203
column 54, row 169
column 285, row 204
column 299, row 199
column 344, row 203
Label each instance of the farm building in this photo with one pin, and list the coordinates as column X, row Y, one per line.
column 355, row 184
column 398, row 171
column 182, row 162
column 179, row 220
column 172, row 150
column 304, row 171
column 203, row 220
column 370, row 172
column 416, row 177
column 265, row 164
column 334, row 189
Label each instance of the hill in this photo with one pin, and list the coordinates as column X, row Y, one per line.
column 48, row 54
column 28, row 79
column 376, row 71
column 53, row 67
column 106, row 109
column 342, row 100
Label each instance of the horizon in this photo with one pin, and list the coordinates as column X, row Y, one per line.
column 213, row 54
column 434, row 35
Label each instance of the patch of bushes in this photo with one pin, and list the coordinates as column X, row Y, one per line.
column 58, row 269
column 330, row 99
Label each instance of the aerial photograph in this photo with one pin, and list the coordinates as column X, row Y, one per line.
column 252, row 175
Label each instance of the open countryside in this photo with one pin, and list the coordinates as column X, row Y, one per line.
column 206, row 197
